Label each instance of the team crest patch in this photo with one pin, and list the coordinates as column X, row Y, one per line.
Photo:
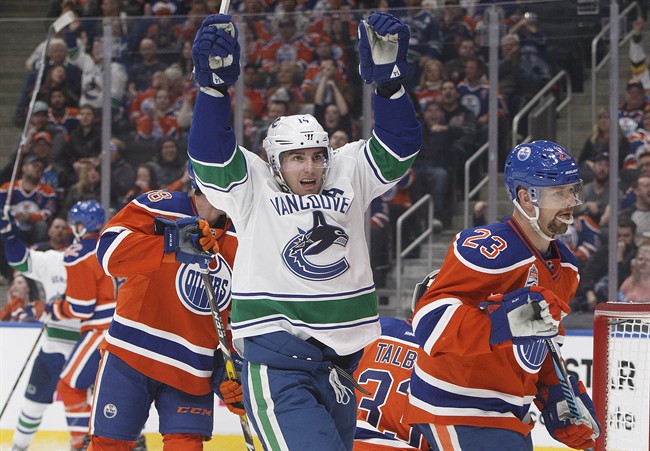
column 191, row 289
column 533, row 276
column 110, row 411
column 530, row 354
column 523, row 154
column 307, row 256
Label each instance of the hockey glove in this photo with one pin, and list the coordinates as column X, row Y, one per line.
column 7, row 226
column 579, row 433
column 229, row 391
column 188, row 240
column 215, row 52
column 383, row 45
column 514, row 317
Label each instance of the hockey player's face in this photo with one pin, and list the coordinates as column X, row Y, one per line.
column 206, row 210
column 555, row 222
column 303, row 170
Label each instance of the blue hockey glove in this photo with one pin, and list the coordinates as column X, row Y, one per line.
column 215, row 52
column 7, row 226
column 383, row 45
column 229, row 391
column 515, row 317
column 578, row 433
column 189, row 240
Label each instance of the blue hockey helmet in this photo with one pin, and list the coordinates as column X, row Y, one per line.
column 540, row 164
column 88, row 213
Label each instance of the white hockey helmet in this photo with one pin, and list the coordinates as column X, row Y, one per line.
column 286, row 133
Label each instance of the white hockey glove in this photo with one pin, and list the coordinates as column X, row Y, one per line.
column 383, row 45
column 514, row 316
column 216, row 52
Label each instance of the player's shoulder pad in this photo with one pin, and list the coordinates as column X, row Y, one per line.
column 566, row 256
column 493, row 248
column 397, row 328
column 162, row 202
column 79, row 251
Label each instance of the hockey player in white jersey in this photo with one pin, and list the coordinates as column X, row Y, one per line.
column 47, row 268
column 304, row 303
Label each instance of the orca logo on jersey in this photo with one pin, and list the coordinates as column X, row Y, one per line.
column 530, row 354
column 191, row 291
column 312, row 244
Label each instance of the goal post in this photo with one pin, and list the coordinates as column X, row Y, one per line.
column 621, row 376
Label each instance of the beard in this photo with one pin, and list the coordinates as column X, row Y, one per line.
column 556, row 227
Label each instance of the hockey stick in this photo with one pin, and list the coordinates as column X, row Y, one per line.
column 225, row 350
column 59, row 24
column 20, row 375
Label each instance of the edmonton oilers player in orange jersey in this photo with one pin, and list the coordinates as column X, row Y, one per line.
column 483, row 358
column 384, row 374
column 162, row 344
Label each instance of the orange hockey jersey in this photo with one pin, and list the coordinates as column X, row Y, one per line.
column 163, row 326
column 459, row 379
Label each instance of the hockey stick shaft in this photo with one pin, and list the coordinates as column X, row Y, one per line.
column 59, row 24
column 22, row 371
column 225, row 350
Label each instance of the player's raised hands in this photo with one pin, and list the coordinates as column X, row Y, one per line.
column 383, row 45
column 188, row 240
column 526, row 313
column 216, row 52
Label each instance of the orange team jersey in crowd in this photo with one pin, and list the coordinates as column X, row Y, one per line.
column 90, row 294
column 459, row 379
column 163, row 326
column 385, row 371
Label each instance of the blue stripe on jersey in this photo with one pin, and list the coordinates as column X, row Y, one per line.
column 286, row 319
column 427, row 323
column 440, row 398
column 159, row 345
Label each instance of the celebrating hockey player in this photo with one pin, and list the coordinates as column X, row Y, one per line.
column 89, row 297
column 47, row 268
column 482, row 325
column 304, row 304
column 162, row 343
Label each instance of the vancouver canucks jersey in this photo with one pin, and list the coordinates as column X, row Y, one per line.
column 306, row 259
column 459, row 379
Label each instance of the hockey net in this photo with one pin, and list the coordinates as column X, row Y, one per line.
column 621, row 388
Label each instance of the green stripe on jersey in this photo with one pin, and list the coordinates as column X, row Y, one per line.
column 22, row 267
column 307, row 311
column 62, row 334
column 391, row 168
column 223, row 176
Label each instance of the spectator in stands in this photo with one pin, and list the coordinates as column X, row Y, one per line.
column 65, row 118
column 455, row 67
column 57, row 53
column 143, row 101
column 57, row 78
column 636, row 287
column 85, row 143
column 630, row 114
column 141, row 74
column 287, row 76
column 184, row 61
column 640, row 211
column 330, row 105
column 456, row 26
column 287, row 46
column 597, row 191
column 92, row 67
column 532, row 43
column 324, row 54
column 168, row 164
column 41, row 146
column 87, row 187
column 285, row 9
column 429, row 87
column 598, row 143
column 338, row 138
column 122, row 173
column 159, row 121
column 582, row 238
column 593, row 276
column 474, row 95
column 432, row 164
column 58, row 236
column 20, row 306
column 641, row 167
column 32, row 201
column 278, row 105
column 198, row 11
column 255, row 29
column 145, row 181
column 637, row 141
column 165, row 33
column 339, row 26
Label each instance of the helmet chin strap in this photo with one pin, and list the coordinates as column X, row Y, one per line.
column 78, row 235
column 533, row 222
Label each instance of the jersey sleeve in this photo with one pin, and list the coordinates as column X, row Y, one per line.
column 81, row 293
column 128, row 244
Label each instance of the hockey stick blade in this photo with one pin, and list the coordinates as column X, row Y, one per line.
column 225, row 350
